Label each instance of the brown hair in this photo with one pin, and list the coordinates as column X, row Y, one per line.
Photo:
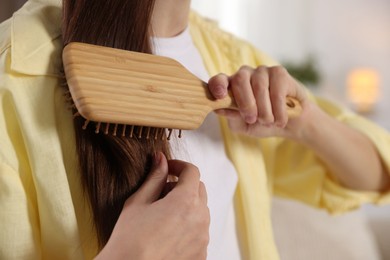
column 112, row 167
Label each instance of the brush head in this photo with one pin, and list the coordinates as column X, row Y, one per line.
column 131, row 88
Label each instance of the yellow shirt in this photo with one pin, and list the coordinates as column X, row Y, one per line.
column 43, row 213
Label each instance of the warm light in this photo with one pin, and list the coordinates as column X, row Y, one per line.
column 363, row 89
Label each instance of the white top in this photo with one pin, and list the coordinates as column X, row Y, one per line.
column 204, row 148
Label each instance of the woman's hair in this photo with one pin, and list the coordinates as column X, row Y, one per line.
column 112, row 167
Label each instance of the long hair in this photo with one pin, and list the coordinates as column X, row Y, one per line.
column 112, row 167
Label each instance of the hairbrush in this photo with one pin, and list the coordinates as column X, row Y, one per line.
column 121, row 87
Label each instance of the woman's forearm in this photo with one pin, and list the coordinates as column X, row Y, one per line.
column 348, row 154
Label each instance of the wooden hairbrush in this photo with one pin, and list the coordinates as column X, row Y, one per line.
column 122, row 87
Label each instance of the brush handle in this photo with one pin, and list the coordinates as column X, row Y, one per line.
column 293, row 107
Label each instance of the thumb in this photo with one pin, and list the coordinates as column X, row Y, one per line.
column 151, row 189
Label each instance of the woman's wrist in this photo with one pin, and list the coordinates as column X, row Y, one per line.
column 306, row 128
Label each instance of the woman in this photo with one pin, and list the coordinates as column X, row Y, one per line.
column 314, row 158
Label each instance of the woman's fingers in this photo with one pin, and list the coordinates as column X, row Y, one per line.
column 150, row 228
column 260, row 94
column 218, row 85
column 241, row 87
column 187, row 173
column 278, row 93
column 151, row 190
column 202, row 192
column 260, row 85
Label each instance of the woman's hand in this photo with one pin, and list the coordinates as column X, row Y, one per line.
column 173, row 227
column 260, row 94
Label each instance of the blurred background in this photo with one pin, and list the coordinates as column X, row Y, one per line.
column 341, row 50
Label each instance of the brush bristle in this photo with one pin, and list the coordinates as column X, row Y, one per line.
column 131, row 131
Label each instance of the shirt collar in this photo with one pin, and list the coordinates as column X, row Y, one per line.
column 36, row 38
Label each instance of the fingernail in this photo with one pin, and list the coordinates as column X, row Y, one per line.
column 250, row 119
column 219, row 91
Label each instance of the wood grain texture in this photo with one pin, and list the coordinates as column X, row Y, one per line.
column 123, row 87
